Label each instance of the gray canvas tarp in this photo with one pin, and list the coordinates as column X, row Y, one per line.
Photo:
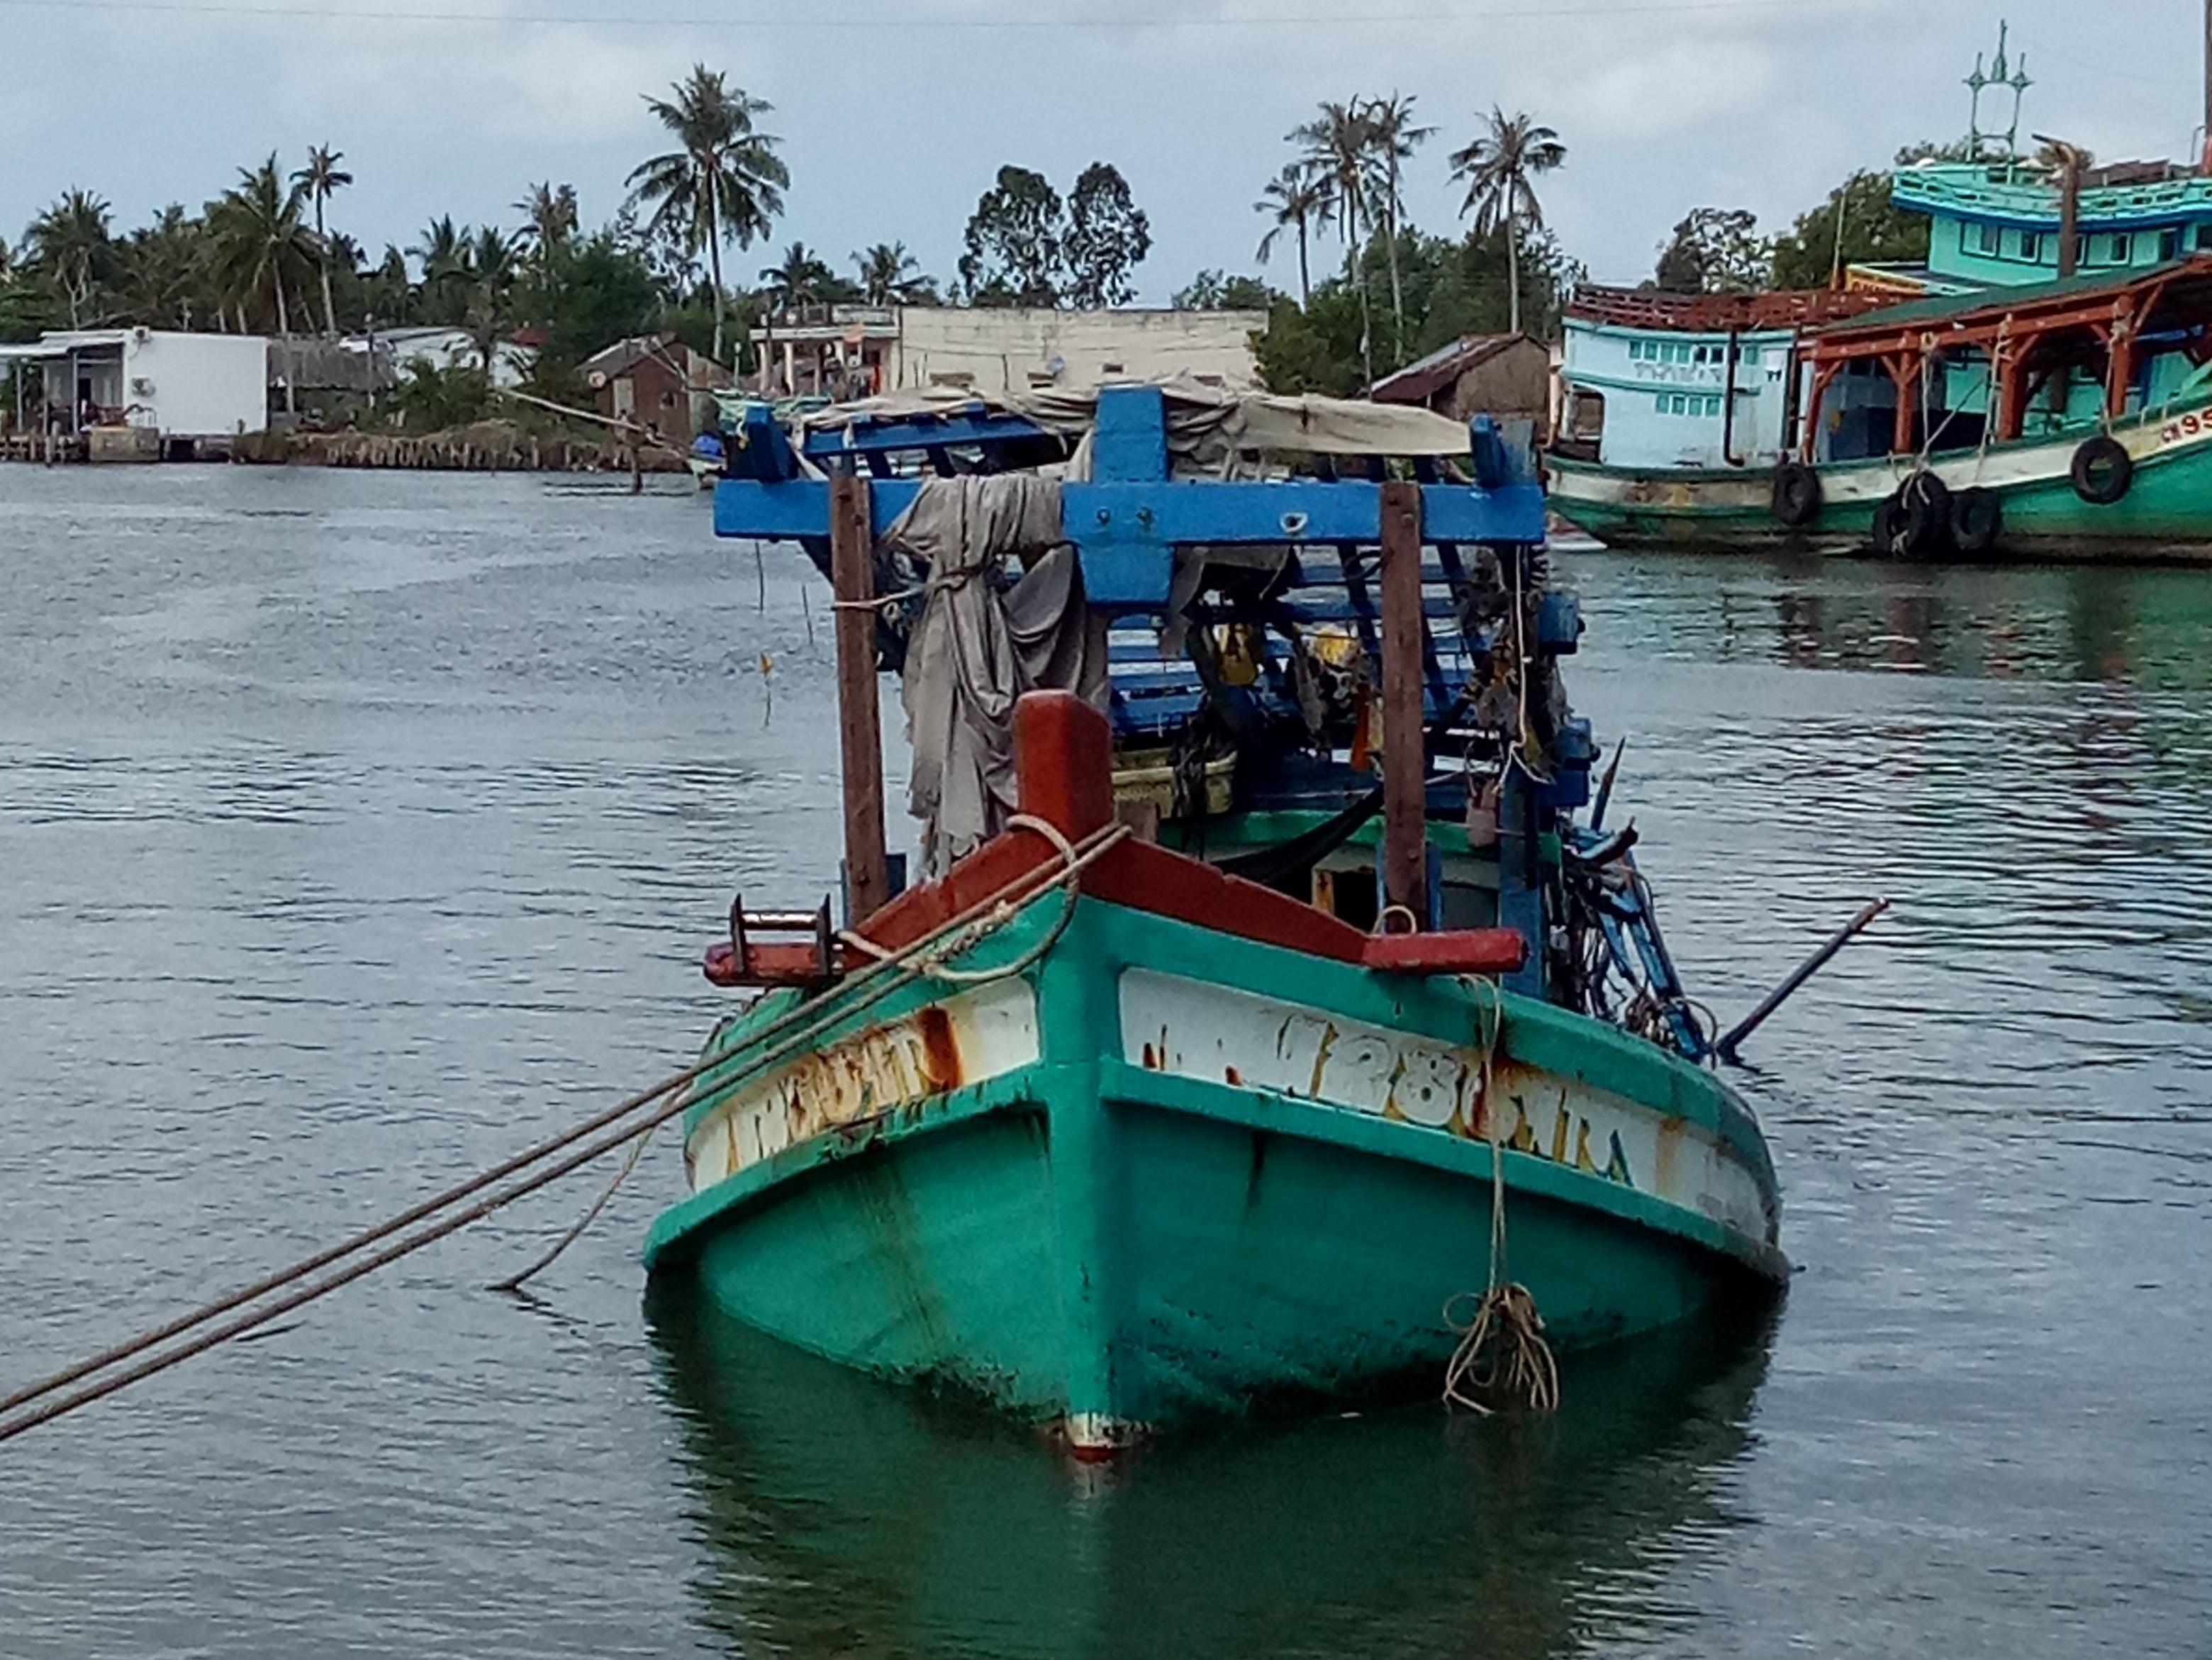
column 975, row 650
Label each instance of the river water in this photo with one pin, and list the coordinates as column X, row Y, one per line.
column 355, row 828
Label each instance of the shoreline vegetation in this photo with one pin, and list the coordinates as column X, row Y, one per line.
column 269, row 256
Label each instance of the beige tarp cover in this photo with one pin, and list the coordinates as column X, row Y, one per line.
column 1207, row 426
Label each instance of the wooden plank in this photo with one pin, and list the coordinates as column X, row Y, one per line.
column 1405, row 761
column 853, row 578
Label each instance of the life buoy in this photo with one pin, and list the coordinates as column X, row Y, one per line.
column 1796, row 495
column 1977, row 519
column 2103, row 470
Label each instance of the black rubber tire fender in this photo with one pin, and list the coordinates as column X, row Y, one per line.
column 1796, row 495
column 1887, row 532
column 1926, row 501
column 1976, row 520
column 2102, row 470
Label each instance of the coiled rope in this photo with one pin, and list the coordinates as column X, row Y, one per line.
column 1502, row 1355
column 778, row 1040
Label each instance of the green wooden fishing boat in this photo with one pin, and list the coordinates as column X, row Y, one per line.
column 1130, row 1117
column 2070, row 419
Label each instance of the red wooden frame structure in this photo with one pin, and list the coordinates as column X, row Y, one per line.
column 2027, row 336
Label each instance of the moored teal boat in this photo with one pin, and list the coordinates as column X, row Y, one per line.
column 1131, row 1117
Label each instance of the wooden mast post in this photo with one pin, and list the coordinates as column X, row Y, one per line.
column 852, row 579
column 1405, row 757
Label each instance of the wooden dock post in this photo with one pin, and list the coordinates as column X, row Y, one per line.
column 852, row 579
column 1405, row 757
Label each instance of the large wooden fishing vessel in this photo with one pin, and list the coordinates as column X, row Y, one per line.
column 1275, row 980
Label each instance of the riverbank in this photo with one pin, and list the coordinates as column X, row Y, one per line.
column 481, row 446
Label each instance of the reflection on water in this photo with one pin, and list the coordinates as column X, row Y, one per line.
column 844, row 1516
column 2144, row 625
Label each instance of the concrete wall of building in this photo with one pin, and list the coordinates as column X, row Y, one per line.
column 1008, row 349
column 197, row 385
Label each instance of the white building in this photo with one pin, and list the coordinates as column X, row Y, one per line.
column 179, row 387
column 441, row 348
column 854, row 351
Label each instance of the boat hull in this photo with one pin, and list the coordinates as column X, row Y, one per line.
column 1168, row 1175
column 2166, row 515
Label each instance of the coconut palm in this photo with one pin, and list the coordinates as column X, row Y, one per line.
column 262, row 250
column 799, row 278
column 888, row 275
column 1340, row 158
column 549, row 216
column 69, row 245
column 320, row 179
column 1294, row 199
column 489, row 264
column 1500, row 165
column 724, row 182
column 444, row 252
column 1394, row 138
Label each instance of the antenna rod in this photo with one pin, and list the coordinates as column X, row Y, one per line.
column 2208, row 84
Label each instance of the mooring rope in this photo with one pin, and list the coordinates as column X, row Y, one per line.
column 790, row 1032
column 1501, row 1353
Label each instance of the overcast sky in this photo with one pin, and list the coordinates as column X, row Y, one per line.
column 892, row 129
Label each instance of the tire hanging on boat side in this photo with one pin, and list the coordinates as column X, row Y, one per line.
column 2102, row 470
column 1976, row 520
column 1796, row 495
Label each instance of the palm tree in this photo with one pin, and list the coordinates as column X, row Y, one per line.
column 723, row 183
column 319, row 178
column 1295, row 199
column 487, row 263
column 1500, row 165
column 1395, row 138
column 1340, row 157
column 889, row 274
column 260, row 243
column 550, row 213
column 800, row 278
column 444, row 252
column 70, row 245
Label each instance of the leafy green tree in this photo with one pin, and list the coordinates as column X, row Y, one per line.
column 70, row 249
column 1716, row 250
column 320, row 179
column 588, row 293
column 724, row 182
column 1108, row 236
column 1501, row 165
column 1857, row 224
column 1212, row 291
column 259, row 246
column 162, row 275
column 1293, row 201
column 431, row 399
column 1012, row 245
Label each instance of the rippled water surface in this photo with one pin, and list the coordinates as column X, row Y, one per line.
column 357, row 828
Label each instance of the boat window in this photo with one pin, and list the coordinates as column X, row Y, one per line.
column 2169, row 244
column 2030, row 246
column 1751, row 357
column 1985, row 239
column 2204, row 238
column 2124, row 248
